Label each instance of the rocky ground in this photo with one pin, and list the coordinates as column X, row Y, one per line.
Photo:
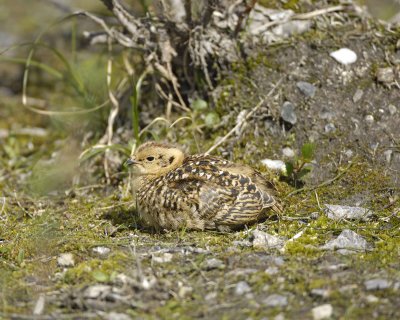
column 76, row 251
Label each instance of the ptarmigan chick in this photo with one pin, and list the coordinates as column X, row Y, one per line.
column 198, row 192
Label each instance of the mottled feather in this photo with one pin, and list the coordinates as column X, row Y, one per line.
column 200, row 191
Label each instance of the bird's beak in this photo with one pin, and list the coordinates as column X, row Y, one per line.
column 131, row 162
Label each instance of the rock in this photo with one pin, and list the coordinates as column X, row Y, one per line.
column 211, row 296
column 388, row 155
column 306, row 88
column 326, row 114
column 323, row 293
column 271, row 271
column 347, row 242
column 39, row 305
column 369, row 118
column 101, row 250
column 371, row 298
column 66, row 260
column 337, row 212
column 377, row 284
column 392, row 109
column 288, row 152
column 279, row 316
column 344, row 56
column 276, row 165
column 240, row 272
column 184, row 291
column 241, row 288
column 385, row 75
column 288, row 114
column 213, row 264
column 275, row 300
column 358, row 95
column 3, row 133
column 266, row 241
column 330, row 127
column 242, row 243
column 116, row 316
column 323, row 311
column 96, row 291
column 162, row 258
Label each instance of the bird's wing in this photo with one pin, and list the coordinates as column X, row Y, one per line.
column 218, row 196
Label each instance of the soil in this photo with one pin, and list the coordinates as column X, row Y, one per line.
column 119, row 270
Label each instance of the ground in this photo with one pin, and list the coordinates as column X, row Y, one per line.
column 73, row 251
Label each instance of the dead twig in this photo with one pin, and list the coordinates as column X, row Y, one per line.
column 300, row 16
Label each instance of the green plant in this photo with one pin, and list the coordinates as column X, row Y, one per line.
column 301, row 165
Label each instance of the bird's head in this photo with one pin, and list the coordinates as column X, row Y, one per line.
column 154, row 158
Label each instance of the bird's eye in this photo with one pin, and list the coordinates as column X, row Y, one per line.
column 150, row 158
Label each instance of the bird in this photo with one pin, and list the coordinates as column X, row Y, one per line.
column 198, row 192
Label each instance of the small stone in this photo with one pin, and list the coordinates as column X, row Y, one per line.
column 344, row 56
column 184, row 291
column 358, row 95
column 369, row 118
column 371, row 298
column 392, row 109
column 275, row 300
column 288, row 152
column 66, row 260
column 39, row 305
column 348, row 153
column 306, row 88
column 96, row 291
column 101, row 250
column 275, row 165
column 388, row 155
column 116, row 316
column 377, row 284
column 288, row 114
column 330, row 127
column 241, row 272
column 213, row 264
column 347, row 242
column 211, row 296
column 242, row 243
column 326, row 114
column 241, row 288
column 271, row 271
column 385, row 75
column 323, row 311
column 267, row 241
column 337, row 212
column 323, row 293
column 280, row 316
column 162, row 258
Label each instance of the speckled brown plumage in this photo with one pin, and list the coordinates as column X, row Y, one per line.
column 199, row 191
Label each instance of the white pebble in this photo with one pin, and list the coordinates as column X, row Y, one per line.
column 322, row 312
column 288, row 152
column 277, row 165
column 344, row 56
column 66, row 260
